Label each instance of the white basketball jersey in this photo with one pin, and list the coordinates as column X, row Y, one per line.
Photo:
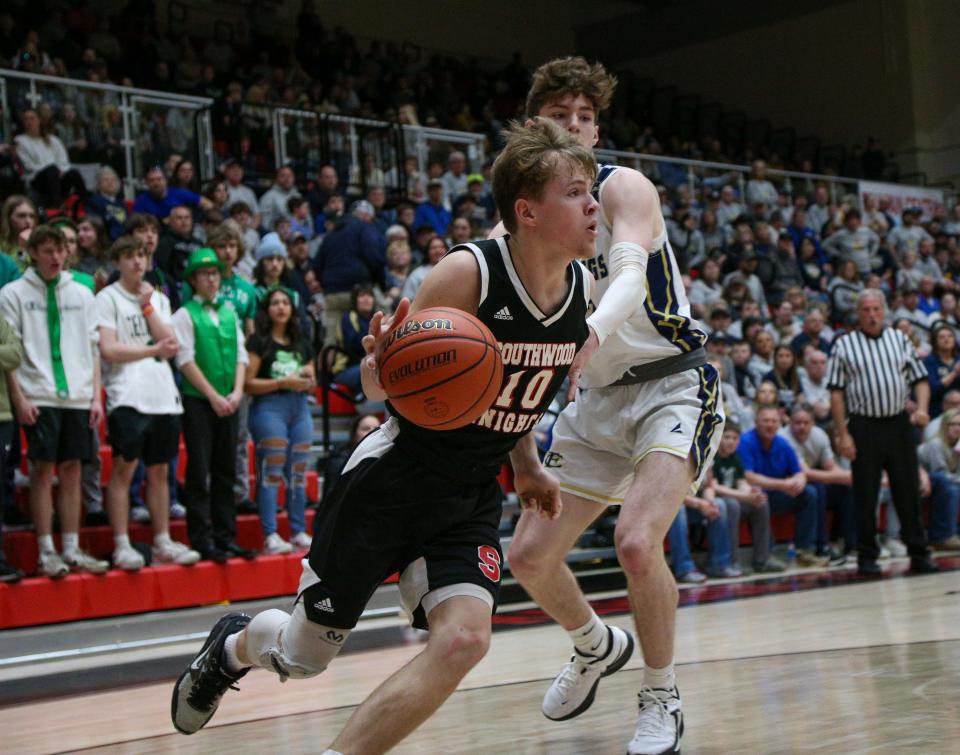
column 660, row 327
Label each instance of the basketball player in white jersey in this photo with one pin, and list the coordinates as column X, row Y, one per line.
column 642, row 430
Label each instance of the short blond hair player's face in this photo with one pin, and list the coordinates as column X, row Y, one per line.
column 575, row 113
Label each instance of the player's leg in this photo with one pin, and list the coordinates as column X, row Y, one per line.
column 662, row 480
column 350, row 557
column 536, row 557
column 459, row 638
column 675, row 444
column 590, row 479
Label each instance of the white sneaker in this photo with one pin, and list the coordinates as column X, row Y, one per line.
column 660, row 725
column 178, row 510
column 896, row 547
column 275, row 545
column 80, row 560
column 301, row 540
column 573, row 690
column 140, row 514
column 51, row 565
column 884, row 553
column 172, row 552
column 128, row 558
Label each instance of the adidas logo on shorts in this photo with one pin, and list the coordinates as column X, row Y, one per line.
column 324, row 605
column 503, row 314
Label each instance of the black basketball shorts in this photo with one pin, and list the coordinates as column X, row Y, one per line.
column 389, row 513
column 60, row 435
column 155, row 438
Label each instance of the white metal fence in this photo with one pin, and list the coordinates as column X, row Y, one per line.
column 124, row 127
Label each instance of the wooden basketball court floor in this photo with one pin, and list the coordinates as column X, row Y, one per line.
column 862, row 667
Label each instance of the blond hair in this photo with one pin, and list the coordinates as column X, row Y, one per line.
column 572, row 75
column 532, row 156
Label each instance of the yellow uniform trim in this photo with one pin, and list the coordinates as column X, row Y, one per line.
column 587, row 492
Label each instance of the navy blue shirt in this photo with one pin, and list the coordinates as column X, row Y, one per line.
column 779, row 461
column 113, row 211
column 160, row 208
column 353, row 252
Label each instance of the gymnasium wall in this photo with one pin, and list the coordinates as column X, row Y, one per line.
column 882, row 68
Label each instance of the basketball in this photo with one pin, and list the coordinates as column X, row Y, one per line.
column 441, row 368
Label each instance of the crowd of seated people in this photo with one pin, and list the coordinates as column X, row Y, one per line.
column 317, row 68
column 772, row 274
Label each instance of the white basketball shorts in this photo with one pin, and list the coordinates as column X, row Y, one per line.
column 599, row 439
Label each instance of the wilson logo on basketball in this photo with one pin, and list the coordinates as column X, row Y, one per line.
column 423, row 364
column 415, row 326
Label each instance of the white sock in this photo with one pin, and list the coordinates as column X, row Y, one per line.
column 71, row 542
column 592, row 638
column 45, row 543
column 120, row 542
column 233, row 662
column 331, row 752
column 659, row 678
column 161, row 538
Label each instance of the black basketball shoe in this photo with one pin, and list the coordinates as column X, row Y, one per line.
column 197, row 692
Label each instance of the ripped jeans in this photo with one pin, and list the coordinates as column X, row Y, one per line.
column 282, row 432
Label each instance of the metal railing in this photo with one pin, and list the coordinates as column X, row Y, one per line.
column 365, row 151
column 137, row 127
column 673, row 172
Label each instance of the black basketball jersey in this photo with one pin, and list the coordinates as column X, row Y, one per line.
column 537, row 350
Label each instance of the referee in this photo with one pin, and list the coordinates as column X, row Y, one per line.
column 873, row 369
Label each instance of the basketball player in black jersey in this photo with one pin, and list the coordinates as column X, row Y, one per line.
column 427, row 503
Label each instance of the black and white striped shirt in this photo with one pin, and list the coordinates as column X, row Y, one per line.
column 876, row 374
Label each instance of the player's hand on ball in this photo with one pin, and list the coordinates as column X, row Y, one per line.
column 538, row 490
column 380, row 327
column 583, row 356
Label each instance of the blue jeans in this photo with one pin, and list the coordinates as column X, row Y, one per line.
column 282, row 431
column 804, row 507
column 840, row 499
column 718, row 535
column 944, row 505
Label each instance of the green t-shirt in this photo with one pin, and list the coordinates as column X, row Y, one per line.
column 84, row 280
column 237, row 292
column 728, row 471
column 9, row 270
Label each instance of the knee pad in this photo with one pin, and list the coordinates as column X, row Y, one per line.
column 292, row 646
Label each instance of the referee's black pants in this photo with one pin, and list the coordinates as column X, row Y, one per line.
column 886, row 443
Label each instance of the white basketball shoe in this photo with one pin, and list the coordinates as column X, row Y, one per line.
column 660, row 725
column 573, row 690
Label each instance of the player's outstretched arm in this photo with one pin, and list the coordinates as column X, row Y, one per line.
column 453, row 282
column 632, row 206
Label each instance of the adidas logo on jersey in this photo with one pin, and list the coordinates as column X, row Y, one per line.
column 503, row 314
column 324, row 605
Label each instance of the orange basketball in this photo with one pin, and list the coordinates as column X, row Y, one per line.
column 441, row 368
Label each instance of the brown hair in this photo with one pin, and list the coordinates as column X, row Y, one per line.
column 529, row 160
column 8, row 238
column 141, row 220
column 126, row 245
column 572, row 75
column 44, row 233
column 224, row 234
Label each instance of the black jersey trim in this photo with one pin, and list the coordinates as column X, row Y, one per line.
column 523, row 294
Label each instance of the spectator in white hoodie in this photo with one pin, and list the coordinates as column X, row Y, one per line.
column 55, row 392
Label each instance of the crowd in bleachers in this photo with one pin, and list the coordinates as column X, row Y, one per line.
column 773, row 275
